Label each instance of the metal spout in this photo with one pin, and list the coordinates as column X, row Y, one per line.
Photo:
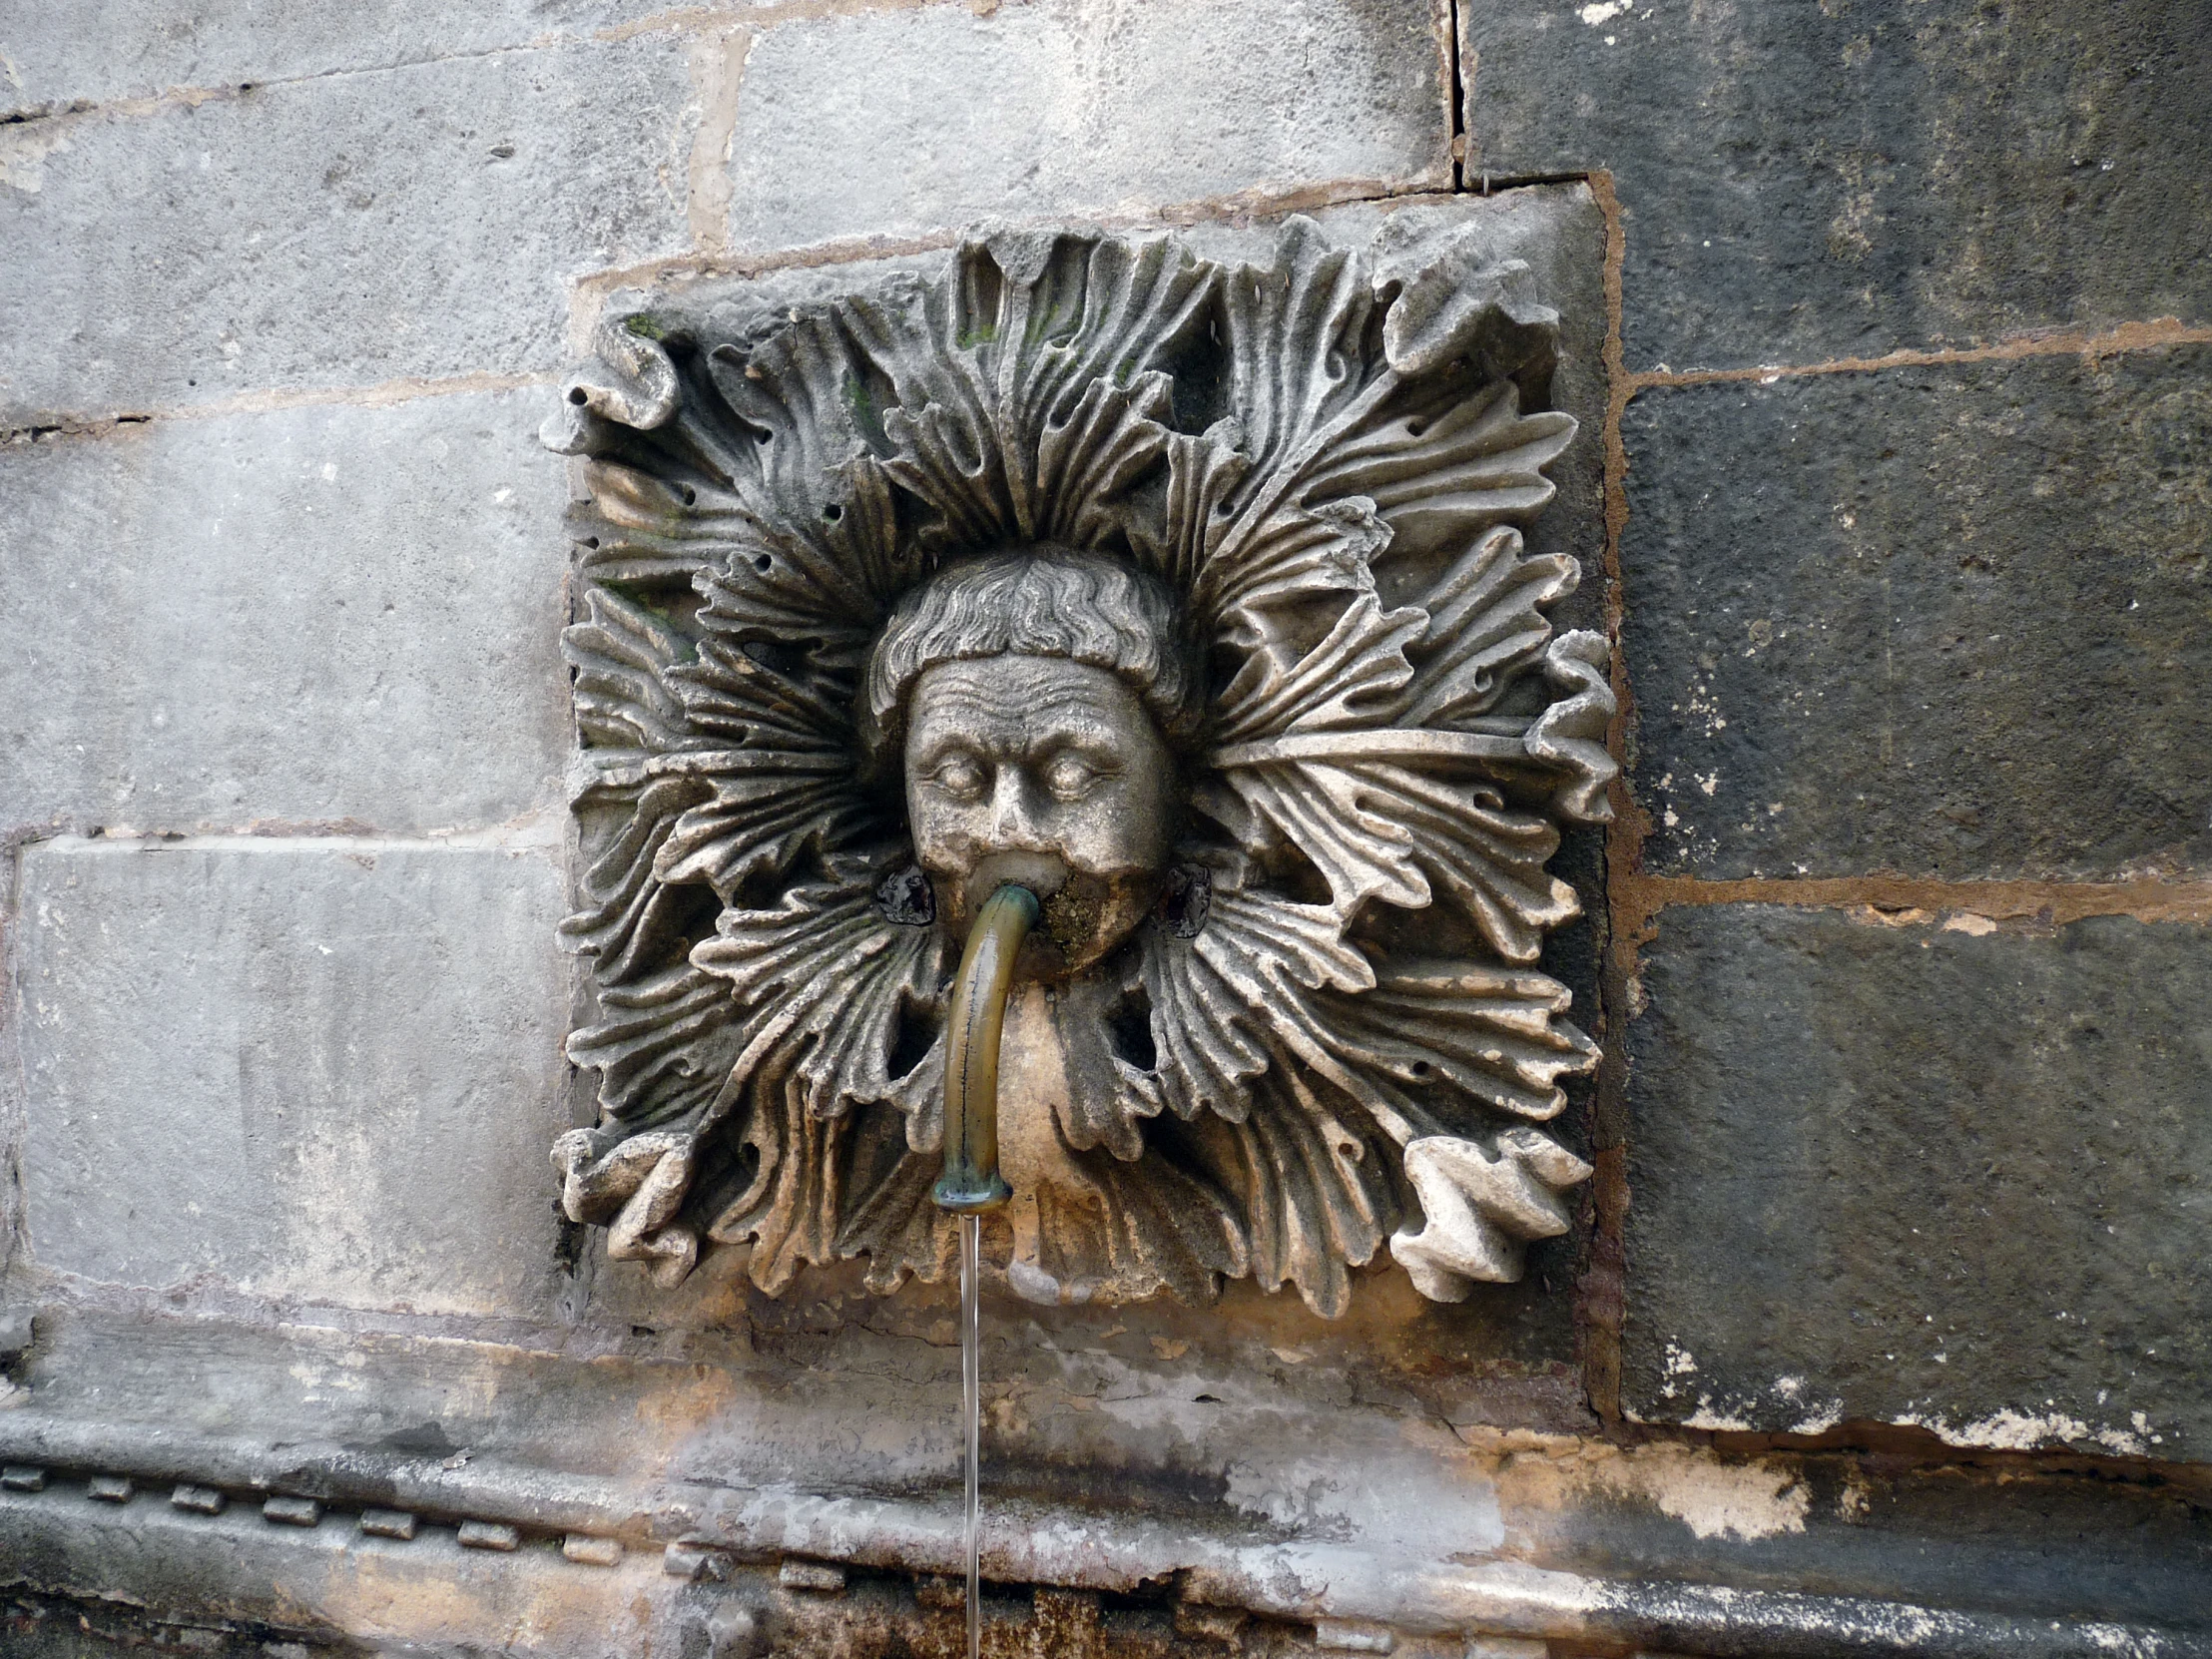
column 971, row 1183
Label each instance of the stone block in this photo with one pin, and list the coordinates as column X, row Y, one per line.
column 96, row 53
column 1803, row 183
column 1917, row 1175
column 338, row 231
column 1948, row 621
column 323, row 1070
column 919, row 122
column 309, row 615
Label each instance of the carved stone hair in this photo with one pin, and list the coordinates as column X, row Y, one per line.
column 1041, row 602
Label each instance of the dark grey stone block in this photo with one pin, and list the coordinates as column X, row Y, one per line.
column 1939, row 621
column 1803, row 182
column 1922, row 1176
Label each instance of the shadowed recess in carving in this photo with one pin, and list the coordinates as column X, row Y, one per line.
column 1192, row 597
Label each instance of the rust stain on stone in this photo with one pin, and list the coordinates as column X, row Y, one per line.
column 1906, row 901
column 2066, row 342
column 1598, row 1308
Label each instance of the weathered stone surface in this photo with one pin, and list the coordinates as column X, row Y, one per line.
column 1920, row 1174
column 282, row 238
column 1946, row 621
column 310, row 615
column 58, row 58
column 1805, row 183
column 317, row 1069
column 1339, row 435
column 920, row 122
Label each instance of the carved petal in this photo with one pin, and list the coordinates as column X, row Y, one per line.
column 1220, row 1000
column 662, row 1046
column 1448, row 465
column 827, row 979
column 1350, row 679
column 1484, row 627
column 1490, row 1033
column 1570, row 735
column 1481, row 1206
column 623, row 655
column 1462, row 306
column 1025, row 392
column 1318, row 1194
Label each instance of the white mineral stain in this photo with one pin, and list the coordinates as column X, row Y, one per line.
column 1604, row 12
column 1738, row 1501
column 1706, row 1417
column 1965, row 921
column 2007, row 1430
column 24, row 146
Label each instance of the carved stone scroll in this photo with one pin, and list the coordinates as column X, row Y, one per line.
column 1255, row 533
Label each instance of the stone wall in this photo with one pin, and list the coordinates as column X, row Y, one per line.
column 1885, row 1328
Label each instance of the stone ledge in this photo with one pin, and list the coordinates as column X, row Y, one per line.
column 429, row 1589
column 725, row 1448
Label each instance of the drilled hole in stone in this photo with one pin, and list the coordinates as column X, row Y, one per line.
column 911, row 1046
column 1129, row 1032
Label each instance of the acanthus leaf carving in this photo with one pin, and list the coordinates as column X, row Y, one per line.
column 1324, row 477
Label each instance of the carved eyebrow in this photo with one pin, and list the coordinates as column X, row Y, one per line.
column 960, row 696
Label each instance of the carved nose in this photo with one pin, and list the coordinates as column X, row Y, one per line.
column 1014, row 822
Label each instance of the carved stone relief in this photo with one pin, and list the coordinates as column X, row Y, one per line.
column 1191, row 595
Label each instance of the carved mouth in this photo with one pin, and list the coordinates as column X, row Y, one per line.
column 1085, row 915
column 1040, row 872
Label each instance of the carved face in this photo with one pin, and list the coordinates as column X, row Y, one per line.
column 1045, row 772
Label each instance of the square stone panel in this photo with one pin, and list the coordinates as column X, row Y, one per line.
column 1504, row 1354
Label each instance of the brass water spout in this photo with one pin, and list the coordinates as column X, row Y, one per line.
column 971, row 1183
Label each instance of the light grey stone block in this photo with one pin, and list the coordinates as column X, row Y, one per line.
column 910, row 123
column 102, row 50
column 339, row 232
column 315, row 1069
column 309, row 615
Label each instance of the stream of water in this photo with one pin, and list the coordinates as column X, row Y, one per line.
column 971, row 1401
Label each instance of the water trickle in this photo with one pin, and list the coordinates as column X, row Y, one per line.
column 971, row 1401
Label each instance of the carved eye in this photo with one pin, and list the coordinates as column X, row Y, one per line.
column 1069, row 776
column 959, row 776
